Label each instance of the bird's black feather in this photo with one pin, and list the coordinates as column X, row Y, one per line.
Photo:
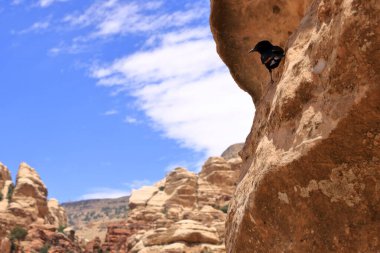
column 270, row 55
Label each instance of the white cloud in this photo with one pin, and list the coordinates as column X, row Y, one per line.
column 131, row 120
column 110, row 112
column 137, row 184
column 46, row 3
column 185, row 89
column 35, row 27
column 16, row 2
column 183, row 56
column 194, row 166
column 113, row 17
column 74, row 48
column 176, row 76
column 109, row 193
column 105, row 193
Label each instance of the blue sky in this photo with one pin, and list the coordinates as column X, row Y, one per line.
column 101, row 97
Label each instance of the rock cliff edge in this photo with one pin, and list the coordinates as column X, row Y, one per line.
column 310, row 178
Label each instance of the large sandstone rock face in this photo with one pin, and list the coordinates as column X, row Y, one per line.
column 185, row 212
column 26, row 205
column 311, row 165
column 238, row 25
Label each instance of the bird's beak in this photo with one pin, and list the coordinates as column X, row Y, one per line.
column 252, row 50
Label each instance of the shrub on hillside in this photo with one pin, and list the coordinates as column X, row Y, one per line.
column 61, row 228
column 224, row 209
column 45, row 249
column 18, row 233
column 10, row 192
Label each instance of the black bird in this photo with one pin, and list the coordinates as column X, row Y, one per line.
column 270, row 55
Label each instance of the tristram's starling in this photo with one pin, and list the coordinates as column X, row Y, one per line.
column 270, row 55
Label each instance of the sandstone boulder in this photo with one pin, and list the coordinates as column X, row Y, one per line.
column 232, row 151
column 141, row 196
column 188, row 231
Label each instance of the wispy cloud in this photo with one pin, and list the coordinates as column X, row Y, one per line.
column 75, row 47
column 39, row 3
column 105, row 193
column 110, row 112
column 46, row 3
column 176, row 76
column 194, row 166
column 137, row 184
column 190, row 97
column 109, row 193
column 113, row 17
column 35, row 27
column 16, row 2
column 131, row 120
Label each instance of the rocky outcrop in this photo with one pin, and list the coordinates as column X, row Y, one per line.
column 43, row 235
column 6, row 187
column 185, row 212
column 5, row 175
column 311, row 165
column 57, row 214
column 29, row 198
column 26, row 206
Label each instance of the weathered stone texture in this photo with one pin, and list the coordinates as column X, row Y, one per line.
column 311, row 164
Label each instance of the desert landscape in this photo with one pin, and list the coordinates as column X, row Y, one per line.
column 307, row 178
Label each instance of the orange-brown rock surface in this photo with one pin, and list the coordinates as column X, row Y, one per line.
column 25, row 205
column 238, row 25
column 185, row 212
column 311, row 165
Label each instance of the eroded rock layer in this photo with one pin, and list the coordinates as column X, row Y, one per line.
column 185, row 212
column 25, row 207
column 311, row 165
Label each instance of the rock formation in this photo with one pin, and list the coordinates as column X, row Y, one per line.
column 57, row 214
column 310, row 178
column 26, row 206
column 29, row 198
column 185, row 212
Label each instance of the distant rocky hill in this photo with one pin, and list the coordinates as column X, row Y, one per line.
column 29, row 222
column 184, row 212
column 90, row 218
